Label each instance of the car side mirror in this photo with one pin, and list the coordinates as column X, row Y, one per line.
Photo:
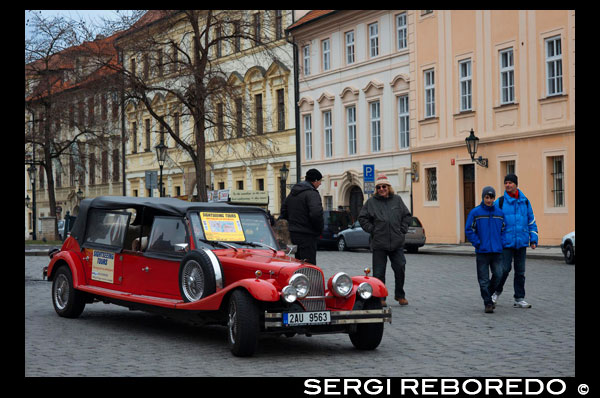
column 181, row 247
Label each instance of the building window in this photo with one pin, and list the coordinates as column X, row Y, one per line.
column 240, row 185
column 350, row 47
column 306, row 59
column 147, row 121
column 258, row 110
column 238, row 117
column 429, row 93
column 375, row 126
column 326, row 54
column 431, row 175
column 104, row 167
column 92, row 166
column 237, row 39
column 257, row 27
column 328, row 134
column 278, row 24
column 508, row 167
column 554, row 84
column 134, row 137
column 401, row 31
column 280, row 110
column 558, row 187
column 403, row 127
column 507, row 77
column 465, row 79
column 328, row 202
column 351, row 123
column 374, row 39
column 260, row 184
column 308, row 137
column 220, row 126
column 115, row 164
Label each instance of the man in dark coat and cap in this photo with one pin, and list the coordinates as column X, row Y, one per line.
column 303, row 210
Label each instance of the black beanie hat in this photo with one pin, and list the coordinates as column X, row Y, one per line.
column 313, row 175
column 512, row 177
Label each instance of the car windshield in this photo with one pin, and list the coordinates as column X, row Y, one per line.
column 232, row 230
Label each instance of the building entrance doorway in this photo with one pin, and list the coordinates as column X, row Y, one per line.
column 468, row 175
column 356, row 201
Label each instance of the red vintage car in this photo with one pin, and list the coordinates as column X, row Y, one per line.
column 209, row 263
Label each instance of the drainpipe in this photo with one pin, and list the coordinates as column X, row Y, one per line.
column 296, row 110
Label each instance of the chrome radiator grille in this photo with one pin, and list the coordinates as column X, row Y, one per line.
column 315, row 300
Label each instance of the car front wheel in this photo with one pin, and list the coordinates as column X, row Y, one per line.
column 242, row 324
column 342, row 244
column 368, row 335
column 68, row 302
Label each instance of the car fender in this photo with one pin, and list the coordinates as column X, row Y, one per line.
column 260, row 289
column 379, row 289
column 73, row 261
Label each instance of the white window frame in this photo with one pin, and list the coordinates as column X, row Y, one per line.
column 403, row 122
column 326, row 52
column 466, row 85
column 429, row 92
column 375, row 122
column 350, row 58
column 401, row 32
column 308, row 155
column 306, row 59
column 507, row 76
column 351, row 128
column 373, row 39
column 328, row 133
column 554, row 74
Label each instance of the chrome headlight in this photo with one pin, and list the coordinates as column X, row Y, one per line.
column 301, row 284
column 341, row 284
column 289, row 294
column 365, row 290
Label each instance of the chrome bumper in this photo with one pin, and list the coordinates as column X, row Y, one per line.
column 275, row 319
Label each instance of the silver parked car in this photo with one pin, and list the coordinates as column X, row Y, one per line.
column 355, row 238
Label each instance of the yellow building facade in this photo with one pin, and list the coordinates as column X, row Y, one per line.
column 510, row 77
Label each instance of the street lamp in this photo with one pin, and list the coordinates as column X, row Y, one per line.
column 31, row 170
column 161, row 155
column 284, row 172
column 472, row 142
column 79, row 194
column 27, row 201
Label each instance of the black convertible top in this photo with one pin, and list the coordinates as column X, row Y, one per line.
column 151, row 207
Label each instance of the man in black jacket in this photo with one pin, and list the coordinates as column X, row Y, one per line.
column 304, row 212
column 386, row 218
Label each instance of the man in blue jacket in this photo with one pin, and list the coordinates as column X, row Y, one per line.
column 521, row 231
column 485, row 229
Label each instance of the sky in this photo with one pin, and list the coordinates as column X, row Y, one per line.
column 92, row 16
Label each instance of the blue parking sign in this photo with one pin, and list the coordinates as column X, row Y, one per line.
column 369, row 172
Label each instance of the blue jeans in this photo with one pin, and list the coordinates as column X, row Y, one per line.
column 487, row 262
column 519, row 281
column 398, row 265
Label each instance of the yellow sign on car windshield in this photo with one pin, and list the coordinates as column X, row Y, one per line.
column 222, row 226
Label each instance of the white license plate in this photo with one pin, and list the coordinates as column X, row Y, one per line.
column 306, row 318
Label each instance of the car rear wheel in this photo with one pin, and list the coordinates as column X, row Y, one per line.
column 196, row 276
column 368, row 335
column 569, row 254
column 68, row 302
column 342, row 244
column 242, row 324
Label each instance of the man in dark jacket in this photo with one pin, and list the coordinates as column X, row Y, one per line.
column 303, row 210
column 386, row 218
column 485, row 231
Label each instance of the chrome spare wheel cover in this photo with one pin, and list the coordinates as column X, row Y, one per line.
column 192, row 281
column 61, row 291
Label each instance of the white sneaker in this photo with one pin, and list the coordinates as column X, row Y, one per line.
column 521, row 304
column 495, row 297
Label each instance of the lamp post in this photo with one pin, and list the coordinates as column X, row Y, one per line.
column 31, row 170
column 161, row 155
column 284, row 172
column 472, row 142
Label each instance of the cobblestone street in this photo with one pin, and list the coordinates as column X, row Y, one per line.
column 443, row 331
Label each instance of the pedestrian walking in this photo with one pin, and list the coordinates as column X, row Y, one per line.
column 303, row 210
column 386, row 218
column 485, row 230
column 521, row 231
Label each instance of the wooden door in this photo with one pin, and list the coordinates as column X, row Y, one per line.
column 468, row 190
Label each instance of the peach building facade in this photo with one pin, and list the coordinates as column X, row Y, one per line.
column 509, row 76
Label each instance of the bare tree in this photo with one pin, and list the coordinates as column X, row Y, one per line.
column 177, row 55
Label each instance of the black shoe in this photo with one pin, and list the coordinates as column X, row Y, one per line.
column 489, row 309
